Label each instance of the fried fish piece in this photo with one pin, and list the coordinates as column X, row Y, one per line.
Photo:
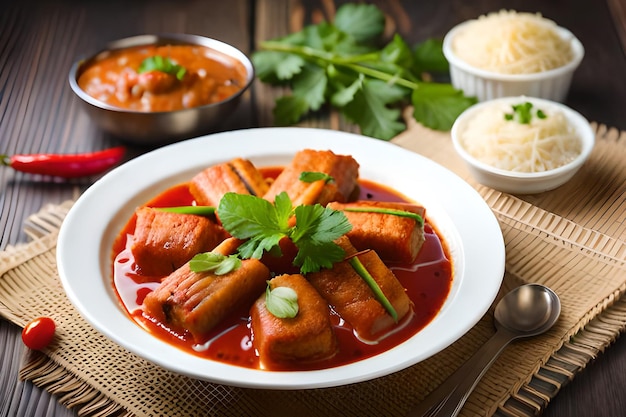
column 342, row 168
column 307, row 337
column 350, row 296
column 198, row 301
column 394, row 238
column 164, row 241
column 238, row 175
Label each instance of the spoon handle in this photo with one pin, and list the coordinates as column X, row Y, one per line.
column 448, row 399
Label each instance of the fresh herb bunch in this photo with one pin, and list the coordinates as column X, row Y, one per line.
column 341, row 63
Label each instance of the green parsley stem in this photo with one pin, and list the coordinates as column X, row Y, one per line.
column 198, row 210
column 369, row 280
column 400, row 213
column 351, row 62
column 383, row 76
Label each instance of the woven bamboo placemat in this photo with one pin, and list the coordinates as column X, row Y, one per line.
column 572, row 239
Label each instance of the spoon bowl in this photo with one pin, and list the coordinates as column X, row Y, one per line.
column 526, row 311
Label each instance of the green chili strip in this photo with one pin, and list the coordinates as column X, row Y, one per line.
column 400, row 213
column 369, row 280
column 198, row 210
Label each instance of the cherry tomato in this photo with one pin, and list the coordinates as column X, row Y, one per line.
column 38, row 333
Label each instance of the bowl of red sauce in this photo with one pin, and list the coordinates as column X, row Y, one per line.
column 157, row 89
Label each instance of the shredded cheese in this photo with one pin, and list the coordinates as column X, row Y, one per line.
column 509, row 42
column 541, row 145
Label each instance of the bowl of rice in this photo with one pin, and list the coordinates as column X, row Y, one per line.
column 522, row 145
column 509, row 53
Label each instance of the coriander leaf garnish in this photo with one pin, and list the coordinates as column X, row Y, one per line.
column 311, row 86
column 369, row 109
column 289, row 110
column 308, row 95
column 197, row 210
column 436, row 104
column 394, row 212
column 429, row 57
column 308, row 176
column 262, row 225
column 214, row 262
column 344, row 94
column 162, row 64
column 274, row 67
column 523, row 113
column 337, row 63
column 249, row 217
column 371, row 282
column 398, row 52
column 314, row 234
column 282, row 302
column 363, row 22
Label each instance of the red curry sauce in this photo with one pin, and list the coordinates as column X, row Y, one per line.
column 210, row 76
column 427, row 282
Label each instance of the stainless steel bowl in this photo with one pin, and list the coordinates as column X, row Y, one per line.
column 153, row 128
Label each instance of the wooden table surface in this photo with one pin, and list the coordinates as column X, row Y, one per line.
column 40, row 39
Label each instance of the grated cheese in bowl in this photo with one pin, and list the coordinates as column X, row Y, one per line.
column 522, row 145
column 507, row 54
column 539, row 145
column 509, row 42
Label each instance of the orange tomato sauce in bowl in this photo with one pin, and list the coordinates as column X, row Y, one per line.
column 209, row 77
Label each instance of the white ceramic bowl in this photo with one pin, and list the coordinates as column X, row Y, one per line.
column 486, row 85
column 464, row 220
column 524, row 182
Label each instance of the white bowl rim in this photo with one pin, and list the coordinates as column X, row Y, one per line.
column 148, row 39
column 577, row 48
column 583, row 127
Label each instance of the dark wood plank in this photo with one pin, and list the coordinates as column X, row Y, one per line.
column 597, row 391
column 618, row 12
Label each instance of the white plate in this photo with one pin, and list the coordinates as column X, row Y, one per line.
column 458, row 211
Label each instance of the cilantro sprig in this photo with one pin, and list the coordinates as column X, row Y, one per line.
column 339, row 64
column 262, row 225
column 162, row 64
column 523, row 113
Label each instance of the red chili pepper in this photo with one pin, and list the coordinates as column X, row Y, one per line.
column 65, row 165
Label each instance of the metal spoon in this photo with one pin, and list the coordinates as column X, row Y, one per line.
column 526, row 311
